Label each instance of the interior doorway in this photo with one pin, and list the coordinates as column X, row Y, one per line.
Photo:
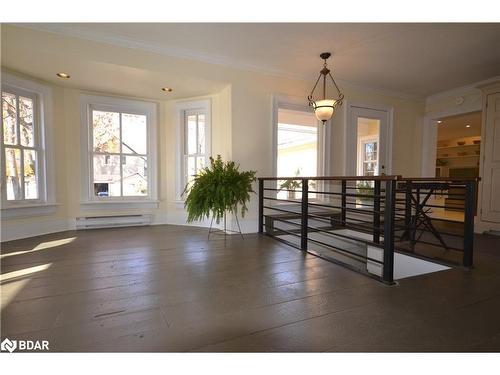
column 299, row 148
column 368, row 146
column 297, row 143
column 458, row 154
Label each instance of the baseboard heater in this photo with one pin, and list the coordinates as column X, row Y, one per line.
column 94, row 222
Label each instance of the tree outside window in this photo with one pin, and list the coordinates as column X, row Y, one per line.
column 20, row 146
column 119, row 157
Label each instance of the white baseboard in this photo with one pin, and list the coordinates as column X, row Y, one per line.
column 16, row 231
column 247, row 225
column 485, row 226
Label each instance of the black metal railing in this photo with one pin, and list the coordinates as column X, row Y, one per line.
column 359, row 222
column 435, row 218
column 348, row 220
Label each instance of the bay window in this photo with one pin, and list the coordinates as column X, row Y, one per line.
column 193, row 142
column 121, row 151
column 195, row 156
column 25, row 116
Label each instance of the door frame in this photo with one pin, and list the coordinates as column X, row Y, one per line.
column 351, row 142
column 429, row 134
column 487, row 223
column 324, row 135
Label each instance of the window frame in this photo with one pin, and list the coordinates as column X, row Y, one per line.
column 324, row 134
column 42, row 137
column 183, row 110
column 89, row 103
column 323, row 145
column 362, row 141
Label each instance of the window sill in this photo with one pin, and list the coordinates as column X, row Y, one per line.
column 120, row 205
column 27, row 210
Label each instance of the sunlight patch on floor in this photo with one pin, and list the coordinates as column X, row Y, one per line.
column 41, row 246
column 10, row 287
column 10, row 291
column 23, row 272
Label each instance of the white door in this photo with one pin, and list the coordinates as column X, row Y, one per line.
column 490, row 202
column 368, row 142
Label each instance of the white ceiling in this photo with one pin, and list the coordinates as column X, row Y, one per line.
column 415, row 59
column 455, row 126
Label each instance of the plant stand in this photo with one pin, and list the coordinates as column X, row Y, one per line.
column 225, row 230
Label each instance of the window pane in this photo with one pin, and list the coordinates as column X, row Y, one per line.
column 191, row 141
column 30, row 175
column 201, row 134
column 13, row 173
column 191, row 168
column 26, row 121
column 107, row 175
column 200, row 163
column 369, row 168
column 297, row 150
column 135, row 176
column 134, row 134
column 371, row 151
column 9, row 113
column 106, row 131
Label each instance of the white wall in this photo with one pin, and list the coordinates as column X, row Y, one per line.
column 241, row 120
column 449, row 103
column 457, row 101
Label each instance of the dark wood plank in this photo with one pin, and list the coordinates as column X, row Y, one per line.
column 166, row 288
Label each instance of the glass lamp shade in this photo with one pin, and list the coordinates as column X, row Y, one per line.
column 323, row 109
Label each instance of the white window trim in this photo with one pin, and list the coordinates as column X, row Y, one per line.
column 88, row 200
column 46, row 203
column 297, row 104
column 361, row 141
column 180, row 109
column 350, row 165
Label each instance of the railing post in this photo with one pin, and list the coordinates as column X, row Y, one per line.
column 376, row 212
column 408, row 194
column 469, row 207
column 261, row 205
column 304, row 214
column 389, row 215
column 344, row 203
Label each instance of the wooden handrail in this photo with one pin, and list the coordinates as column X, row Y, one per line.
column 372, row 178
column 335, row 178
column 448, row 179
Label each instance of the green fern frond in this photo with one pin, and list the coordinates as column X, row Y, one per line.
column 216, row 189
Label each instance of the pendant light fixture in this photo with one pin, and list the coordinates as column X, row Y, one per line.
column 325, row 108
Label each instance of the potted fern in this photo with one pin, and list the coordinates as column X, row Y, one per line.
column 218, row 189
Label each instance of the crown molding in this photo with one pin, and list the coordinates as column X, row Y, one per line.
column 182, row 53
column 459, row 91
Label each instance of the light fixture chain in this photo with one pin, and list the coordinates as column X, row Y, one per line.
column 324, row 108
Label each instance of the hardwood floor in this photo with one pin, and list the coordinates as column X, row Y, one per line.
column 165, row 288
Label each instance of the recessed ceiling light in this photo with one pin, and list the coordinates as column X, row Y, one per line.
column 166, row 89
column 439, row 121
column 63, row 75
column 467, row 126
